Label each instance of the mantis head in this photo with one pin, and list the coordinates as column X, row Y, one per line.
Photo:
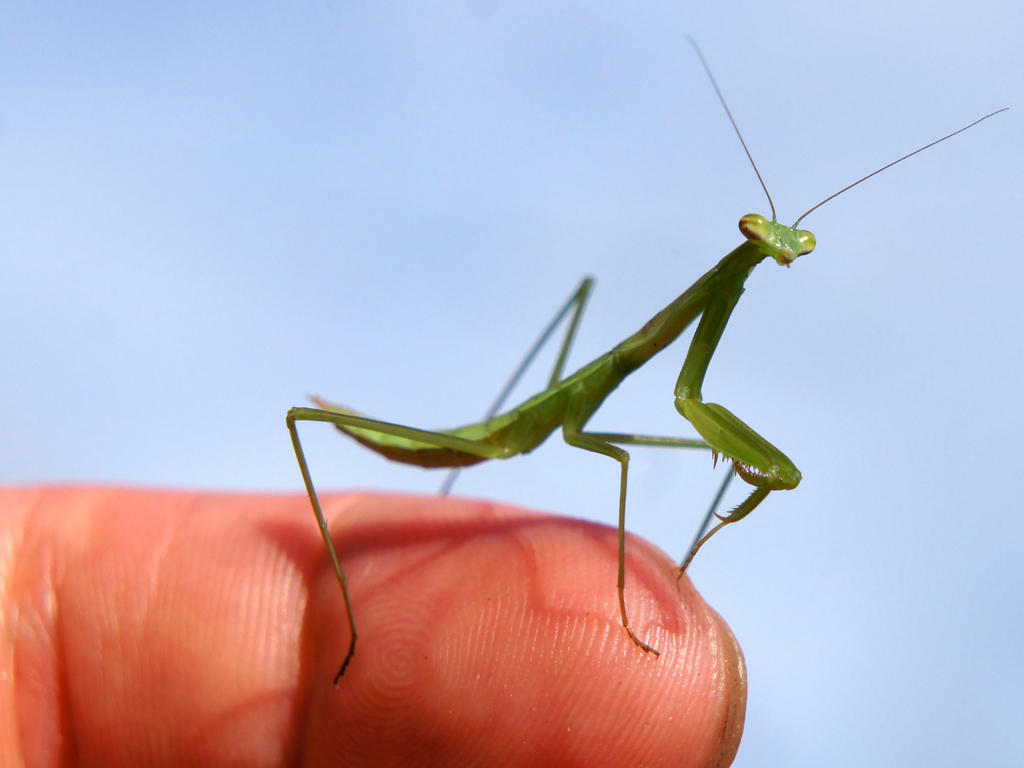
column 784, row 243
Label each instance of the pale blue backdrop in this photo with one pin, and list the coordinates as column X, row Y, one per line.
column 209, row 211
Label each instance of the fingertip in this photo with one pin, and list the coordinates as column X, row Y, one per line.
column 732, row 697
column 491, row 635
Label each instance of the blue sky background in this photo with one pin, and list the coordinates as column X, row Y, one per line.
column 209, row 211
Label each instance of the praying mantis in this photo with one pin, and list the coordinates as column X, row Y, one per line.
column 570, row 401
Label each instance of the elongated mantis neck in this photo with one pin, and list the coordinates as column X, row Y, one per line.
column 764, row 238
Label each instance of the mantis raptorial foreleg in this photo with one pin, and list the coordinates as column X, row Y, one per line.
column 744, row 509
column 698, row 538
column 754, row 459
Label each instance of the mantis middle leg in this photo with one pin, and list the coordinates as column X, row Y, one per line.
column 605, row 444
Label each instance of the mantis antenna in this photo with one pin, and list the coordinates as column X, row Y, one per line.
column 734, row 126
column 725, row 106
column 890, row 165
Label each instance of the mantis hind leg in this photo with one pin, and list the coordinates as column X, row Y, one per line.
column 439, row 440
column 578, row 300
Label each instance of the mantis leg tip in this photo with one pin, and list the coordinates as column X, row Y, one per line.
column 345, row 663
column 641, row 644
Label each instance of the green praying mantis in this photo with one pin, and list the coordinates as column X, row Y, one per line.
column 570, row 401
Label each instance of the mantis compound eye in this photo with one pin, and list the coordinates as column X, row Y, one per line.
column 807, row 241
column 755, row 227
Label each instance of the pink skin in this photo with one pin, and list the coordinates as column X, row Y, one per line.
column 169, row 628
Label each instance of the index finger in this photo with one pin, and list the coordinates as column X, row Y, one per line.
column 208, row 628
